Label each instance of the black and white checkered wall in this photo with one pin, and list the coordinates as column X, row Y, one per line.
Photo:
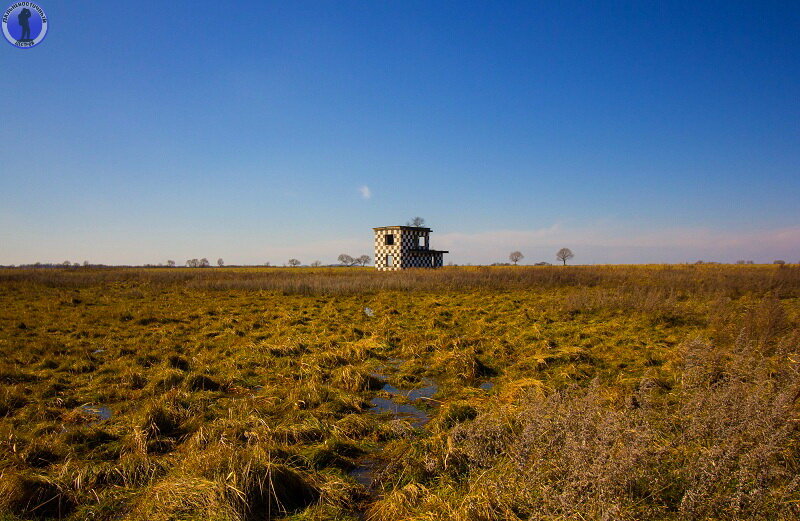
column 407, row 251
column 383, row 250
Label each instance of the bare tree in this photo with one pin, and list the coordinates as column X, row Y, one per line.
column 364, row 260
column 564, row 254
column 416, row 221
column 515, row 257
column 316, row 264
column 220, row 262
column 294, row 263
column 781, row 262
column 171, row 263
column 86, row 264
column 66, row 263
column 204, row 263
column 346, row 259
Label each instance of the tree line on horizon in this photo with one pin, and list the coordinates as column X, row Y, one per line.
column 345, row 260
column 563, row 255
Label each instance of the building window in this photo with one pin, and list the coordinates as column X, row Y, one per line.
column 422, row 241
column 389, row 261
column 389, row 239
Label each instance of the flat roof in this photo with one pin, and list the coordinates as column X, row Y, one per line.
column 412, row 250
column 403, row 228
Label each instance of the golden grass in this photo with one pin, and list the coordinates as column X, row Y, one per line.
column 624, row 392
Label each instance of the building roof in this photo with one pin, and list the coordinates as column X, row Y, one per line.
column 403, row 228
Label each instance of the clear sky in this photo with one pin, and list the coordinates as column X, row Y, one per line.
column 259, row 131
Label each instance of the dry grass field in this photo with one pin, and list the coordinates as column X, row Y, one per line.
column 552, row 393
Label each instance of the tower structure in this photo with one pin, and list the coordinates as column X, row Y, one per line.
column 401, row 247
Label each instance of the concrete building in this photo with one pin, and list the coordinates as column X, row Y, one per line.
column 401, row 247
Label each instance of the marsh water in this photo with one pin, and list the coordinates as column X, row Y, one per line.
column 101, row 412
column 400, row 405
column 406, row 411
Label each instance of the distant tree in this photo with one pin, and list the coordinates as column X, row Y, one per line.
column 294, row 263
column 364, row 260
column 66, row 263
column 416, row 221
column 86, row 264
column 316, row 264
column 171, row 263
column 76, row 265
column 564, row 254
column 220, row 262
column 779, row 262
column 543, row 263
column 204, row 263
column 346, row 259
column 741, row 262
column 193, row 263
column 267, row 264
column 515, row 257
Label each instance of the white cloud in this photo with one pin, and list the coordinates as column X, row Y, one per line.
column 620, row 243
column 365, row 192
column 598, row 242
column 325, row 251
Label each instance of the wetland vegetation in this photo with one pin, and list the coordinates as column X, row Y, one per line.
column 552, row 393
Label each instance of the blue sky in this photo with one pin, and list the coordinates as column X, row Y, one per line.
column 628, row 131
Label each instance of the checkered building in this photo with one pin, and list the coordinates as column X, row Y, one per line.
column 401, row 247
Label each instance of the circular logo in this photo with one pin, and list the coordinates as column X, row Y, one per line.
column 24, row 24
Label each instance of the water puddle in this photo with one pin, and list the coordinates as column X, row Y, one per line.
column 399, row 404
column 404, row 411
column 399, row 410
column 429, row 389
column 414, row 415
column 101, row 412
column 364, row 471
